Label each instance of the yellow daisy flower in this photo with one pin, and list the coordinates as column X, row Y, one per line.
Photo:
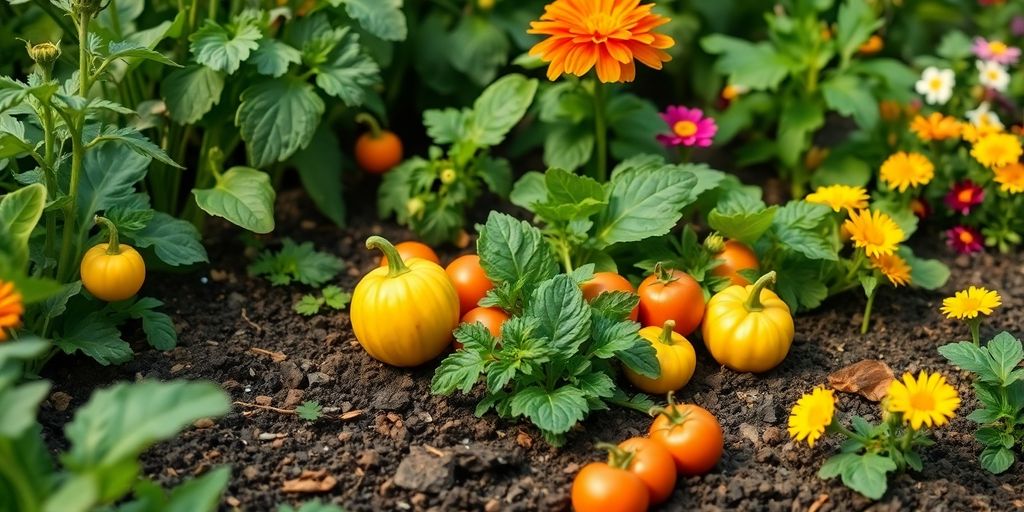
column 1010, row 177
column 974, row 132
column 811, row 415
column 935, row 127
column 969, row 303
column 928, row 400
column 11, row 308
column 840, row 197
column 875, row 231
column 893, row 267
column 997, row 150
column 904, row 170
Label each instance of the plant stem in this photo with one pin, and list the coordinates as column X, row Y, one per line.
column 25, row 496
column 974, row 325
column 867, row 312
column 600, row 132
column 396, row 266
column 67, row 244
column 113, row 242
column 83, row 55
column 754, row 300
column 563, row 251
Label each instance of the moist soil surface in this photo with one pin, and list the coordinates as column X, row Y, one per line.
column 388, row 444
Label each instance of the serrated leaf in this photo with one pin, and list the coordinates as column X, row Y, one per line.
column 134, row 50
column 758, row 66
column 131, row 138
column 459, row 371
column 555, row 412
column 740, row 223
column 996, row 459
column 382, row 18
column 513, row 251
column 273, row 57
column 642, row 202
column 851, row 97
column 308, row 305
column 277, row 118
column 109, row 175
column 243, row 196
column 347, row 71
column 175, row 241
column 335, row 297
column 478, row 48
column 224, row 48
column 564, row 317
column 191, row 92
column 309, row 410
column 95, row 336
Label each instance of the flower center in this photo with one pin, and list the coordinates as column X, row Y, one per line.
column 685, row 128
column 601, row 26
column 818, row 416
column 993, row 75
column 966, row 195
column 922, row 401
column 997, row 47
column 966, row 237
column 935, row 84
column 874, row 236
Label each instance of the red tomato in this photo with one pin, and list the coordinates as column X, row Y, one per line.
column 736, row 257
column 492, row 318
column 691, row 435
column 654, row 465
column 470, row 280
column 409, row 250
column 378, row 154
column 671, row 295
column 608, row 282
column 599, row 487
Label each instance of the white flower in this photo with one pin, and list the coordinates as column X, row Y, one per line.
column 936, row 85
column 983, row 117
column 993, row 75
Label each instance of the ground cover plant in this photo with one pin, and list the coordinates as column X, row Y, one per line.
column 544, row 255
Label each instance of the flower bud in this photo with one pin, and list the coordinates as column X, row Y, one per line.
column 87, row 7
column 45, row 54
column 714, row 243
column 448, row 176
column 414, row 207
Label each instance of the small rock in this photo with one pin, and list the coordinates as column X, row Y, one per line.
column 291, row 376
column 293, row 398
column 423, row 471
column 418, row 500
column 345, row 437
column 316, row 378
column 368, row 458
column 203, row 423
column 749, row 432
column 263, row 400
column 492, row 505
column 60, row 400
column 390, row 400
column 251, row 472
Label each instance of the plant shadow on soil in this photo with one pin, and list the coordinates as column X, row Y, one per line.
column 455, row 461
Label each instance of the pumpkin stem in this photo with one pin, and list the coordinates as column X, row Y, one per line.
column 371, row 123
column 113, row 243
column 667, row 331
column 396, row 266
column 754, row 301
column 665, row 275
column 617, row 457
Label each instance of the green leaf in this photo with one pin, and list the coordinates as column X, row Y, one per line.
column 120, row 422
column 865, row 473
column 478, row 48
column 131, row 138
column 496, row 173
column 175, row 241
column 460, row 370
column 19, row 213
column 308, row 305
column 335, row 297
column 382, row 18
column 742, row 220
column 615, row 304
column 200, row 494
column 955, row 45
column 77, row 493
column 758, row 66
column 996, row 459
column 989, row 436
column 514, row 251
column 927, row 274
column 320, row 169
column 555, row 412
column 26, row 349
column 597, row 385
column 499, row 108
column 95, row 336
column 640, row 357
column 854, row 25
column 109, row 175
column 294, row 262
column 347, row 71
column 529, row 190
column 563, row 314
column 273, row 57
column 19, row 406
column 800, row 283
column 133, row 50
column 191, row 92
column 868, row 283
column 224, row 48
column 1006, row 354
column 797, row 122
column 643, row 202
column 277, row 118
column 448, row 125
column 851, row 97
column 243, row 196
column 312, row 506
column 570, row 197
column 310, row 410
column 568, row 146
column 159, row 329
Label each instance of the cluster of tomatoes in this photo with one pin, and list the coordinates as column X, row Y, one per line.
column 641, row 471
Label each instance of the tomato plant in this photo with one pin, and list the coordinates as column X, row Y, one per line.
column 469, row 279
column 607, row 282
column 691, row 434
column 669, row 294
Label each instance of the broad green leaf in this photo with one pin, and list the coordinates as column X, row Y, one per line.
column 347, row 72
column 513, row 251
column 868, row 283
column 797, row 122
column 26, row 348
column 18, row 407
column 614, row 304
column 496, row 173
column 31, row 459
column 95, row 336
column 640, row 357
column 243, row 196
column 556, row 411
column 460, row 370
column 478, row 48
column 865, row 473
column 159, row 329
column 448, row 125
column 568, row 146
column 529, row 190
column 634, row 122
column 758, row 66
column 277, row 118
column 109, row 175
column 382, row 18
column 851, row 97
column 741, row 221
column 563, row 314
column 19, row 213
column 131, row 138
column 77, row 493
column 1006, row 354
column 273, row 57
column 596, row 385
column 201, row 494
column 842, row 170
column 971, row 358
column 990, row 436
column 854, row 25
column 927, row 274
column 132, row 50
column 570, row 197
column 799, row 283
column 175, row 241
column 996, row 459
column 320, row 169
column 643, row 202
column 191, row 92
column 499, row 108
column 55, row 306
column 224, row 48
column 955, row 45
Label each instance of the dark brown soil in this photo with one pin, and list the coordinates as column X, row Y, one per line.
column 404, row 449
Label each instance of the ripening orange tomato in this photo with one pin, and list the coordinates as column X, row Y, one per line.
column 409, row 250
column 379, row 152
column 691, row 434
column 469, row 279
column 600, row 487
column 492, row 318
column 670, row 294
column 608, row 282
column 735, row 256
column 654, row 465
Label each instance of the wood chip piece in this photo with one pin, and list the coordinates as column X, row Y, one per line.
column 277, row 357
column 822, row 498
column 310, row 481
column 351, row 415
column 869, row 378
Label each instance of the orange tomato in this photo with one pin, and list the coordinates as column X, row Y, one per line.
column 599, row 487
column 378, row 154
column 654, row 465
column 409, row 250
column 691, row 434
column 608, row 282
column 670, row 294
column 469, row 279
column 735, row 256
column 492, row 318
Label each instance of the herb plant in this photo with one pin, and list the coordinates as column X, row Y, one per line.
column 296, row 262
column 554, row 362
column 330, row 296
column 999, row 386
column 310, row 410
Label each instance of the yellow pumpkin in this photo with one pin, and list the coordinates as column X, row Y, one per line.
column 675, row 355
column 748, row 328
column 112, row 271
column 404, row 314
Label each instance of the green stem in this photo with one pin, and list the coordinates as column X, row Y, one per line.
column 25, row 495
column 600, row 132
column 974, row 325
column 754, row 300
column 858, row 262
column 67, row 249
column 667, row 331
column 396, row 266
column 370, row 122
column 867, row 312
column 83, row 55
column 563, row 251
column 113, row 242
column 617, row 457
column 835, row 426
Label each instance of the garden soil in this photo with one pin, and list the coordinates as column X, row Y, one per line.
column 386, row 443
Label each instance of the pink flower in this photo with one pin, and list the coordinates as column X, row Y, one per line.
column 964, row 239
column 688, row 127
column 964, row 196
column 995, row 51
column 1017, row 26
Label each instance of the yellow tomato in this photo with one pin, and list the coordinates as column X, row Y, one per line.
column 748, row 328
column 404, row 314
column 112, row 271
column 675, row 355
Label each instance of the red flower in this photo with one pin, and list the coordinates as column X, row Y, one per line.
column 964, row 196
column 964, row 239
column 920, row 207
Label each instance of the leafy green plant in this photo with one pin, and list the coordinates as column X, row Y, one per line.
column 433, row 195
column 100, row 469
column 556, row 357
column 999, row 386
column 296, row 262
column 310, row 410
column 331, row 296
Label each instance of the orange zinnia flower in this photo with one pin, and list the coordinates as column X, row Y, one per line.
column 608, row 34
column 11, row 308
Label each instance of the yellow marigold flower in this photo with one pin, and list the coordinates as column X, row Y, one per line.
column 811, row 415
column 997, row 149
column 893, row 267
column 1010, row 177
column 928, row 400
column 11, row 308
column 904, row 170
column 935, row 127
column 608, row 34
column 875, row 231
column 840, row 197
column 969, row 303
